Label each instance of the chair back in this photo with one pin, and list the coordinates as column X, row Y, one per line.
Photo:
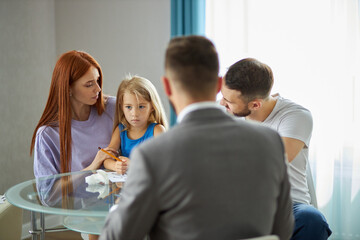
column 311, row 186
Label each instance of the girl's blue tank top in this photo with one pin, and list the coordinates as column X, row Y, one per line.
column 128, row 144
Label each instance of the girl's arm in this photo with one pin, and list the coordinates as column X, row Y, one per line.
column 110, row 163
column 159, row 129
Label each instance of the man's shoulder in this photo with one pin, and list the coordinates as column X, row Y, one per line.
column 291, row 120
column 287, row 109
column 285, row 104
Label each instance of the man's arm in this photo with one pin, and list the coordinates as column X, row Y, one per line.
column 295, row 130
column 137, row 209
column 292, row 147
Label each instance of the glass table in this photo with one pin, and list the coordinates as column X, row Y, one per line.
column 83, row 206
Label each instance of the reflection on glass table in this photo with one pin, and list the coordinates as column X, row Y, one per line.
column 84, row 205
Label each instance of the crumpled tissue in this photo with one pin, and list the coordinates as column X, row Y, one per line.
column 98, row 182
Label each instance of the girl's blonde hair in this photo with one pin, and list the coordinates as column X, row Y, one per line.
column 140, row 87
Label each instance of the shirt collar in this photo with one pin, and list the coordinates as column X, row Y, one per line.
column 197, row 106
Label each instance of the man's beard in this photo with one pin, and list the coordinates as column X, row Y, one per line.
column 243, row 113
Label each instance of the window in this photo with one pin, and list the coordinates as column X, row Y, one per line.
column 313, row 48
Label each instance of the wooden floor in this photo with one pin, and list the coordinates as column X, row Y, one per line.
column 68, row 235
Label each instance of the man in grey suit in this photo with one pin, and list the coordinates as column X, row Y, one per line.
column 210, row 176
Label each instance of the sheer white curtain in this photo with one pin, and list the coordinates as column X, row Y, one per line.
column 313, row 48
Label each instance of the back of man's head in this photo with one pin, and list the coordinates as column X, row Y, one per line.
column 251, row 77
column 193, row 63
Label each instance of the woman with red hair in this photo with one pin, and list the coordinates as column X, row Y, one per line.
column 77, row 118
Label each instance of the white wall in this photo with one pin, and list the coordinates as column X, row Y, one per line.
column 125, row 36
column 27, row 56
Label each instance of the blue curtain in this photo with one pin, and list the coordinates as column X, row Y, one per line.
column 187, row 18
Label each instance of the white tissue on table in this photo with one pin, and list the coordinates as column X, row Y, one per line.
column 99, row 177
column 98, row 182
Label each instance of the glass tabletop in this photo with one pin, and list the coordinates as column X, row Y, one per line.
column 66, row 194
column 89, row 225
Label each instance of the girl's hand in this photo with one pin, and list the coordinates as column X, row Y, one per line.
column 122, row 166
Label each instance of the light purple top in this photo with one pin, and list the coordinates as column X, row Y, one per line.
column 86, row 136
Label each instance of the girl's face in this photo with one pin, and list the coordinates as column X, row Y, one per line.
column 136, row 110
column 85, row 91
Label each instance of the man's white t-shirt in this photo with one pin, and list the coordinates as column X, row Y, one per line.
column 294, row 121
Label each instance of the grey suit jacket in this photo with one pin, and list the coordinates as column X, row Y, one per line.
column 209, row 177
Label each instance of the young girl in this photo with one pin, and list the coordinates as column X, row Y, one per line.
column 139, row 115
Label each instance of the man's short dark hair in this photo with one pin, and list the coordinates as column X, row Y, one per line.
column 195, row 63
column 251, row 77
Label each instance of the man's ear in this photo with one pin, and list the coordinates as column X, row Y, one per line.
column 255, row 104
column 167, row 87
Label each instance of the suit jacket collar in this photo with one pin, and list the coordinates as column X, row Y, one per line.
column 205, row 115
column 197, row 106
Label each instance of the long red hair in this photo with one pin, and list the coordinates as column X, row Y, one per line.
column 57, row 113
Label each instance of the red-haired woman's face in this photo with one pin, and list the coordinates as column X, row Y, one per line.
column 85, row 91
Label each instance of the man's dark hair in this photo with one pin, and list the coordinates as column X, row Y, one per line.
column 251, row 77
column 195, row 63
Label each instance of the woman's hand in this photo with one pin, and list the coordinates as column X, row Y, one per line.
column 100, row 158
column 122, row 166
